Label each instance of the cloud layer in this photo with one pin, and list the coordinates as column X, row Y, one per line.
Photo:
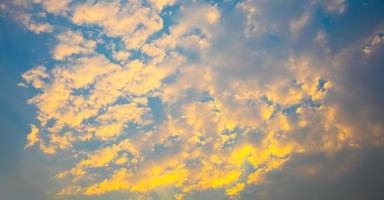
column 180, row 97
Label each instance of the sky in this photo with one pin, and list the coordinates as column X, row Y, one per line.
column 191, row 99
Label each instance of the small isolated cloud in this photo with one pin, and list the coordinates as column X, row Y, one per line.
column 337, row 6
column 373, row 43
column 35, row 27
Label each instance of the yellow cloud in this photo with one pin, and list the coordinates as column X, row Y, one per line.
column 31, row 25
column 108, row 131
column 55, row 6
column 160, row 4
column 35, row 77
column 33, row 136
column 199, row 143
column 117, row 182
column 121, row 20
column 235, row 189
column 72, row 43
column 211, row 133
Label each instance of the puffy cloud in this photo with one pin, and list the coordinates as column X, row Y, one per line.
column 33, row 136
column 132, row 21
column 71, row 43
column 35, row 77
column 35, row 27
column 39, row 28
column 121, row 55
column 54, row 6
column 160, row 4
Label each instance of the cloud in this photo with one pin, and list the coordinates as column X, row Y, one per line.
column 54, row 6
column 298, row 24
column 373, row 42
column 160, row 4
column 337, row 6
column 71, row 43
column 344, row 175
column 2, row 7
column 35, row 77
column 33, row 136
column 132, row 21
column 236, row 106
column 35, row 27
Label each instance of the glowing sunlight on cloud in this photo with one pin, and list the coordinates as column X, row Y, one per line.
column 147, row 96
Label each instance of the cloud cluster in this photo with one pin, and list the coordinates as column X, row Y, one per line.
column 239, row 94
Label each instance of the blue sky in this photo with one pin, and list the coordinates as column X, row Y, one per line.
column 191, row 99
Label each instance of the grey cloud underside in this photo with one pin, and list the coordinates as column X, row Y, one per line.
column 352, row 175
column 349, row 174
column 360, row 96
